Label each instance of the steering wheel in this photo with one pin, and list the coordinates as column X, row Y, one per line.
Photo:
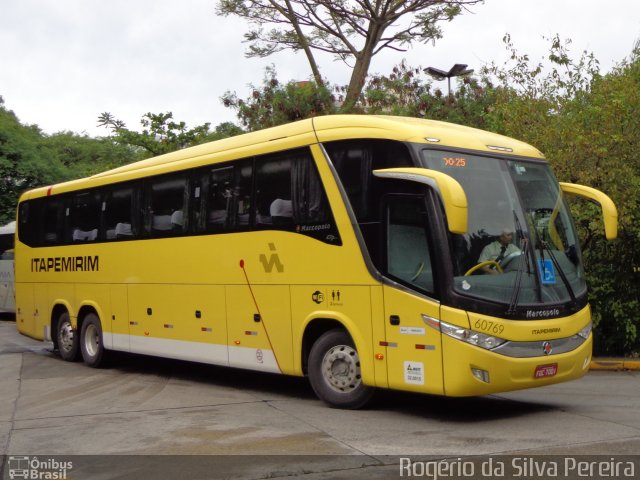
column 509, row 258
column 418, row 272
column 484, row 264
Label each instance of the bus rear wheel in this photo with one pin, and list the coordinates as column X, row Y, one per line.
column 66, row 338
column 334, row 371
column 91, row 344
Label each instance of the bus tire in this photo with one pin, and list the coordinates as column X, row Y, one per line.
column 91, row 344
column 66, row 338
column 334, row 371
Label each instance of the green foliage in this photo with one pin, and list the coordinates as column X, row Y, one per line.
column 29, row 159
column 407, row 91
column 275, row 103
column 83, row 156
column 23, row 162
column 161, row 134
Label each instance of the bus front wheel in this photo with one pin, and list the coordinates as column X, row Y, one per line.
column 91, row 345
column 334, row 371
column 66, row 338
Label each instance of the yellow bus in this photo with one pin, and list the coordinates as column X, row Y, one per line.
column 349, row 249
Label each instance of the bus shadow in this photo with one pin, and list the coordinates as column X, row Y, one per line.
column 457, row 409
column 267, row 385
column 258, row 383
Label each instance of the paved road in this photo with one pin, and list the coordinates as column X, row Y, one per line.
column 146, row 407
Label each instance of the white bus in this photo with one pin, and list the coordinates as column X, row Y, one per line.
column 7, row 287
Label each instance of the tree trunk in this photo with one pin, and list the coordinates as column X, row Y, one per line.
column 361, row 68
column 304, row 44
column 356, row 83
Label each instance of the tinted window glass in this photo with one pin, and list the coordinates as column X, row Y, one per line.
column 221, row 197
column 354, row 160
column 117, row 210
column 167, row 205
column 51, row 221
column 273, row 192
column 408, row 257
column 83, row 217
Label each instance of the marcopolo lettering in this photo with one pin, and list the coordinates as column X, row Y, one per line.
column 84, row 263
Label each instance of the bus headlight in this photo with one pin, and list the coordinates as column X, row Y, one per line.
column 586, row 331
column 482, row 340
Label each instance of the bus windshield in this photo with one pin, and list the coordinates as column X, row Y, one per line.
column 521, row 247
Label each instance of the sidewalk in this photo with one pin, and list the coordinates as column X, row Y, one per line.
column 615, row 364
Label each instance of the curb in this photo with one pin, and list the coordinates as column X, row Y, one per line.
column 615, row 364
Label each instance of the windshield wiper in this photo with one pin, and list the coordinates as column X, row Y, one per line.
column 526, row 252
column 544, row 247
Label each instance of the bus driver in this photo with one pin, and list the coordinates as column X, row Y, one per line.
column 497, row 250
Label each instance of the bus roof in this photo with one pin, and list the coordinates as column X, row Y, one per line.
column 305, row 132
column 8, row 229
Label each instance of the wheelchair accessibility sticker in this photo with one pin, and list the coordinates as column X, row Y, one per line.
column 547, row 272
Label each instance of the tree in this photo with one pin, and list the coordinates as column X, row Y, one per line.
column 161, row 134
column 350, row 30
column 84, row 156
column 406, row 91
column 23, row 164
column 275, row 103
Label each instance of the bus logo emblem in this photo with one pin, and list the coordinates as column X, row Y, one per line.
column 273, row 261
column 546, row 348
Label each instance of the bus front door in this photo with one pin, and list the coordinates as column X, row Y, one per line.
column 414, row 353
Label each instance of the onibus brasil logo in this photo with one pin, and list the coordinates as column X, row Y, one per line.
column 35, row 468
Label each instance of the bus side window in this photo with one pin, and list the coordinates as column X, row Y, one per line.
column 241, row 207
column 220, row 199
column 117, row 212
column 28, row 223
column 51, row 222
column 273, row 193
column 83, row 217
column 166, row 206
column 408, row 253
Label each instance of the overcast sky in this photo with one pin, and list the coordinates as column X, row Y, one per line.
column 63, row 62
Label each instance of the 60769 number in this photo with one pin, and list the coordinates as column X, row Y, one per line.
column 488, row 326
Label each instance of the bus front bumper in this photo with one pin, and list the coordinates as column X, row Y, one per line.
column 471, row 370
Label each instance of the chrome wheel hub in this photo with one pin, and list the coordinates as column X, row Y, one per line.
column 341, row 368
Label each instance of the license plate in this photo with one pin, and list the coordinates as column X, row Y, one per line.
column 546, row 370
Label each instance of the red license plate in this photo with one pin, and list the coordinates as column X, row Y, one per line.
column 546, row 370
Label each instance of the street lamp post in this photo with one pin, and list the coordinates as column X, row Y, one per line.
column 458, row 70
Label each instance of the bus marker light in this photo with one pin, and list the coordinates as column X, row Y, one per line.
column 237, row 342
column 480, row 374
column 499, row 148
column 248, row 332
column 206, row 329
column 379, row 356
column 388, row 344
column 146, row 334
